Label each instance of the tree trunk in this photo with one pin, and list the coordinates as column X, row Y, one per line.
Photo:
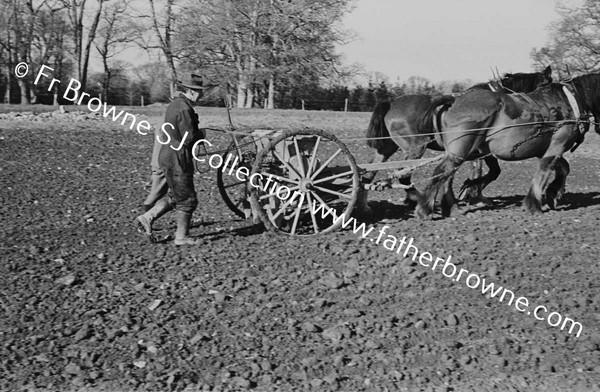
column 271, row 95
column 250, row 89
column 24, row 94
column 249, row 97
column 75, row 18
column 88, row 45
column 8, row 80
column 241, row 91
column 106, row 85
column 173, row 84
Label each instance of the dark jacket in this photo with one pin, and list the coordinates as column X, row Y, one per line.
column 181, row 115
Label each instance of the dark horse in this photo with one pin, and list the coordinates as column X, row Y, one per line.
column 543, row 124
column 399, row 120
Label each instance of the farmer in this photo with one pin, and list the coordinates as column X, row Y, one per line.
column 175, row 160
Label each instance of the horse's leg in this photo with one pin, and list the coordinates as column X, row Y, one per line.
column 556, row 189
column 473, row 187
column 470, row 188
column 442, row 180
column 412, row 194
column 449, row 203
column 533, row 200
column 379, row 157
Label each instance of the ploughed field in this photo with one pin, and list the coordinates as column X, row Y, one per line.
column 87, row 304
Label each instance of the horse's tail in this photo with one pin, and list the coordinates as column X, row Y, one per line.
column 427, row 123
column 377, row 129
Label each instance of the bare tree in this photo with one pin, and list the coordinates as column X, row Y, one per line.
column 114, row 34
column 7, row 43
column 160, row 19
column 76, row 11
column 574, row 40
column 262, row 44
column 301, row 39
column 26, row 36
column 49, row 44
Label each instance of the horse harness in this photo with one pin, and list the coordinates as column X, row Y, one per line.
column 582, row 119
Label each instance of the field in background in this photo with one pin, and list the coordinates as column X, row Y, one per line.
column 352, row 122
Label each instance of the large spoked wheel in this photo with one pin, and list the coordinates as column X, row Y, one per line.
column 235, row 192
column 302, row 181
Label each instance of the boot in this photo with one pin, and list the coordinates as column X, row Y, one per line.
column 184, row 219
column 144, row 222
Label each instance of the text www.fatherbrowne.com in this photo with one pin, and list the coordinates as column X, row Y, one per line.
column 447, row 268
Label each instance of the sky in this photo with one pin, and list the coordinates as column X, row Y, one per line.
column 447, row 39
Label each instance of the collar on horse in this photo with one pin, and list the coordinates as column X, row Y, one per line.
column 582, row 122
column 437, row 122
column 572, row 100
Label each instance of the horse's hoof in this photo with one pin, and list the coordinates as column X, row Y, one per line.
column 422, row 214
column 533, row 206
column 480, row 201
column 467, row 191
column 458, row 210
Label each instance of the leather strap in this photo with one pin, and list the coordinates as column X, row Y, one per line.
column 572, row 102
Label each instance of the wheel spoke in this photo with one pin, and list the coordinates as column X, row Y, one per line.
column 339, row 194
column 275, row 176
column 298, row 210
column 268, row 195
column 300, row 162
column 234, row 184
column 333, row 177
column 321, row 201
column 327, row 162
column 312, row 215
column 313, row 157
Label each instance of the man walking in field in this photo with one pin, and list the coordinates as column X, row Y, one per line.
column 175, row 160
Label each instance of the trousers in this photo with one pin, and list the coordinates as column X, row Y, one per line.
column 159, row 187
column 181, row 192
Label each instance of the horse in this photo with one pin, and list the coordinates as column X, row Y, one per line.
column 544, row 124
column 398, row 120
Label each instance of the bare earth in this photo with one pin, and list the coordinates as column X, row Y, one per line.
column 86, row 304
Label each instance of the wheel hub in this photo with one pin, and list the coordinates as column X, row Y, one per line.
column 306, row 184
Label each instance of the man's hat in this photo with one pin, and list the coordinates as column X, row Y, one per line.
column 191, row 81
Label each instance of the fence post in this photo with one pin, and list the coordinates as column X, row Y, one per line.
column 346, row 105
column 142, row 100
